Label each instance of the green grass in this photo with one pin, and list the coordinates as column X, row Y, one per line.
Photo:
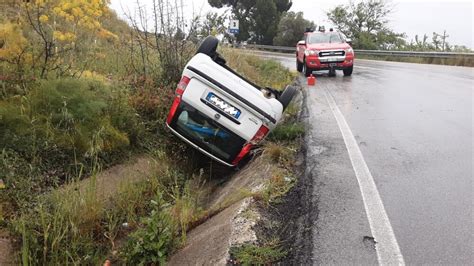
column 76, row 227
column 287, row 132
column 265, row 73
column 251, row 254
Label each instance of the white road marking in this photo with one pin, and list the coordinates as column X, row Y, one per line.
column 364, row 67
column 388, row 251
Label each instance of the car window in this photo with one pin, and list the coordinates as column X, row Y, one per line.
column 324, row 38
column 207, row 133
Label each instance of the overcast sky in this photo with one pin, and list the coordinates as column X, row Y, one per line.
column 411, row 17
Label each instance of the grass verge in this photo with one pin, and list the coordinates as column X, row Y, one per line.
column 250, row 254
column 65, row 130
column 458, row 61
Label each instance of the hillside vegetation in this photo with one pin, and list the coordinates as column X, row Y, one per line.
column 80, row 91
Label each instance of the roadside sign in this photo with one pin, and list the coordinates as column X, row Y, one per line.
column 234, row 26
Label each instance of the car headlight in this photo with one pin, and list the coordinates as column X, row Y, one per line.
column 311, row 52
column 349, row 50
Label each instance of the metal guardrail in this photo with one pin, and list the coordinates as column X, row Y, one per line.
column 376, row 52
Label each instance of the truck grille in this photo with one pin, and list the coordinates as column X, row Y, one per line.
column 331, row 53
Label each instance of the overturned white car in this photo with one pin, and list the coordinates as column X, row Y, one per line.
column 221, row 113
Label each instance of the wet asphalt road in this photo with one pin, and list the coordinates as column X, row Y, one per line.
column 413, row 124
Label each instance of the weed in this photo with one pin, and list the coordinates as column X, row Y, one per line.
column 276, row 186
column 287, row 132
column 251, row 254
column 62, row 229
column 153, row 241
column 265, row 73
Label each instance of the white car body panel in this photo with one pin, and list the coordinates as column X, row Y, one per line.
column 207, row 76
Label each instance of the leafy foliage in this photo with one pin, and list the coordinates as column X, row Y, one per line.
column 213, row 24
column 291, row 28
column 257, row 18
column 153, row 241
column 366, row 23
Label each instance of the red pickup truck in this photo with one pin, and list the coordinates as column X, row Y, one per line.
column 324, row 51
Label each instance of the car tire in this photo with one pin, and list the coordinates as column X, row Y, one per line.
column 208, row 46
column 287, row 95
column 307, row 70
column 348, row 71
column 332, row 73
column 299, row 66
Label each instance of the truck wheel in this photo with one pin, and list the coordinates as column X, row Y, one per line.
column 307, row 70
column 299, row 65
column 286, row 96
column 348, row 71
column 332, row 72
column 208, row 46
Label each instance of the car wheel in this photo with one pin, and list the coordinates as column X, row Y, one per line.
column 307, row 70
column 299, row 65
column 348, row 71
column 208, row 46
column 332, row 72
column 287, row 95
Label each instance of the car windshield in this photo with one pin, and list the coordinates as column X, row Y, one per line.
column 207, row 133
column 331, row 37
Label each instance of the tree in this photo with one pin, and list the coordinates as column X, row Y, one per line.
column 213, row 24
column 241, row 11
column 265, row 17
column 258, row 19
column 61, row 26
column 436, row 41
column 291, row 28
column 366, row 23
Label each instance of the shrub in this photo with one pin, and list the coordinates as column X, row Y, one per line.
column 154, row 240
column 68, row 121
column 59, row 130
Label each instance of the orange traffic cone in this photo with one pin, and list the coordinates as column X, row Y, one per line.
column 311, row 80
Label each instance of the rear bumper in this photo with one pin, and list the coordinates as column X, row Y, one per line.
column 336, row 62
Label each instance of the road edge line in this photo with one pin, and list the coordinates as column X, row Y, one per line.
column 388, row 251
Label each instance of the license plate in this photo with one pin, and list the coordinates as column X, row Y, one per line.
column 222, row 105
column 332, row 59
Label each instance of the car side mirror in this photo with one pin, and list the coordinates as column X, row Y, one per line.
column 301, row 43
column 349, row 41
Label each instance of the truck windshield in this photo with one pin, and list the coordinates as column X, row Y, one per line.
column 331, row 37
column 206, row 133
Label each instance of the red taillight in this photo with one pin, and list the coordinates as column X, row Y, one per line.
column 173, row 109
column 261, row 133
column 245, row 150
column 183, row 83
